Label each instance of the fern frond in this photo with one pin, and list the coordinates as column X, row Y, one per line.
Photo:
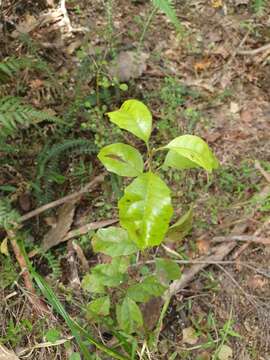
column 12, row 65
column 259, row 6
column 14, row 114
column 167, row 7
column 53, row 262
column 9, row 217
column 48, row 163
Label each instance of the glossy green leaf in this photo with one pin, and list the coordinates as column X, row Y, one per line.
column 113, row 241
column 98, row 307
column 129, row 316
column 148, row 288
column 181, row 228
column 134, row 117
column 190, row 151
column 167, row 269
column 145, row 210
column 121, row 159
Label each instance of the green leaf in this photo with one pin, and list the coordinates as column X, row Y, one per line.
column 52, row 335
column 167, row 270
column 148, row 288
column 113, row 241
column 75, row 356
column 134, row 117
column 129, row 316
column 167, row 7
column 181, row 228
column 111, row 275
column 91, row 283
column 190, row 151
column 145, row 210
column 99, row 307
column 121, row 159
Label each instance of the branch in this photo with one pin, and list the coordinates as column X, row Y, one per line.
column 89, row 187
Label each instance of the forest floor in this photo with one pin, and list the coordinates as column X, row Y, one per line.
column 208, row 80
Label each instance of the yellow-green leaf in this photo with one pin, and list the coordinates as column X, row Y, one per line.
column 121, row 159
column 98, row 307
column 113, row 241
column 190, row 151
column 4, row 247
column 129, row 316
column 145, row 210
column 134, row 117
column 181, row 228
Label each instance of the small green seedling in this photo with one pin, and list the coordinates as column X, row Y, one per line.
column 145, row 213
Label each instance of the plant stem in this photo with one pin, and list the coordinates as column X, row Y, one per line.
column 146, row 26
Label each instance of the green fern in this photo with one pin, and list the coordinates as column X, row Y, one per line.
column 53, row 262
column 259, row 6
column 10, row 66
column 14, row 114
column 167, row 7
column 48, row 164
column 9, row 218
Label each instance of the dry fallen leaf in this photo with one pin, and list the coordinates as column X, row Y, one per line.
column 4, row 247
column 202, row 65
column 128, row 65
column 234, row 107
column 26, row 26
column 151, row 312
column 57, row 234
column 257, row 282
column 6, row 354
column 189, row 336
column 225, row 352
column 216, row 3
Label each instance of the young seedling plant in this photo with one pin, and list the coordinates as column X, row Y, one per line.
column 145, row 213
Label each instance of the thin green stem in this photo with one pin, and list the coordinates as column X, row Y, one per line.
column 146, row 26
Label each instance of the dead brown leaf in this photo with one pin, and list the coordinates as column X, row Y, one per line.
column 26, row 26
column 6, row 354
column 189, row 336
column 151, row 312
column 257, row 282
column 57, row 234
column 202, row 65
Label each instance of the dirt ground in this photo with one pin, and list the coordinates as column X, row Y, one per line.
column 210, row 81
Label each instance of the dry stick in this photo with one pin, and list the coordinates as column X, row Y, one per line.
column 254, row 51
column 90, row 186
column 244, row 238
column 91, row 226
column 264, row 173
column 38, row 304
column 219, row 253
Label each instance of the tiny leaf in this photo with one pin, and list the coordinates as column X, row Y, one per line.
column 99, row 307
column 144, row 291
column 113, row 241
column 52, row 335
column 190, row 151
column 181, row 228
column 121, row 159
column 129, row 316
column 145, row 210
column 167, row 269
column 134, row 117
